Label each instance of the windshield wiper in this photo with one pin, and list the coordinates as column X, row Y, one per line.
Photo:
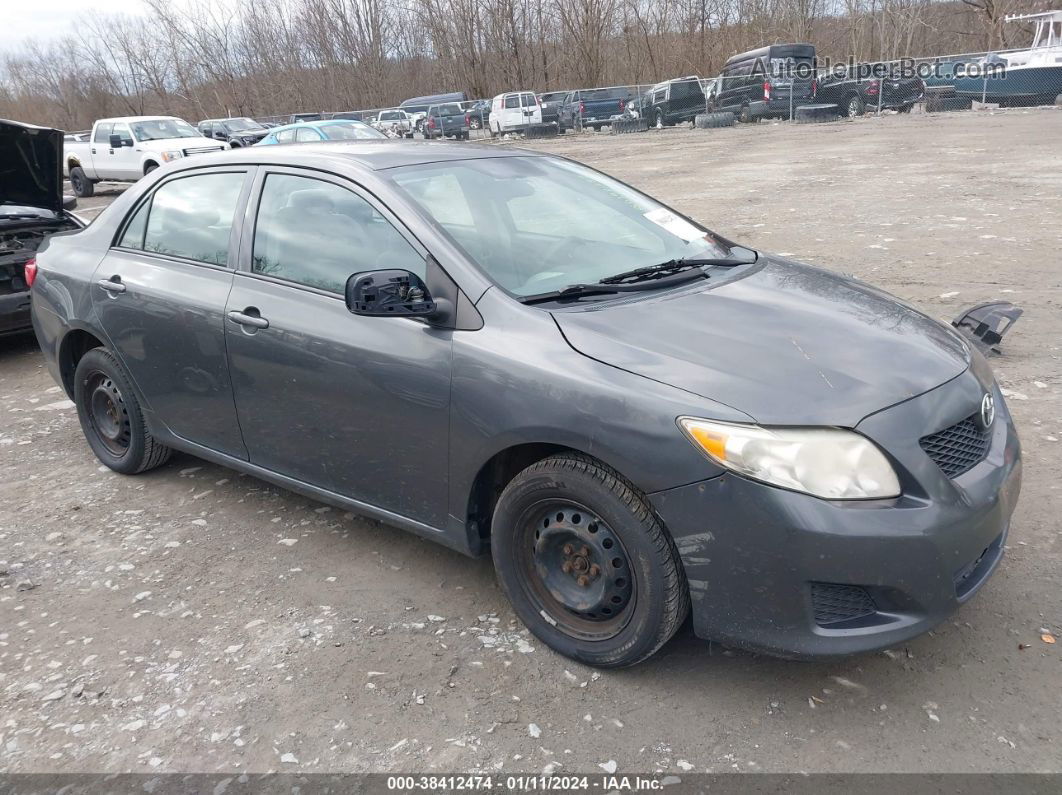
column 605, row 287
column 674, row 266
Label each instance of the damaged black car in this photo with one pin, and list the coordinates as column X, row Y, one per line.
column 32, row 207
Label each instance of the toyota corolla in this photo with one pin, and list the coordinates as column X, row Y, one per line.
column 510, row 352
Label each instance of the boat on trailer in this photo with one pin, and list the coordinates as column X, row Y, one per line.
column 1031, row 76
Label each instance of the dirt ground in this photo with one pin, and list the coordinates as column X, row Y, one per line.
column 193, row 619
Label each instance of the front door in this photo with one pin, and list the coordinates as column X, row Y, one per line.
column 355, row 405
column 125, row 160
column 160, row 297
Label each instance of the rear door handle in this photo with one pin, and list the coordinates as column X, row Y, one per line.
column 254, row 321
column 112, row 285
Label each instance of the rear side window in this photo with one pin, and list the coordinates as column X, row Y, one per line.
column 189, row 217
column 305, row 134
column 286, row 136
column 317, row 234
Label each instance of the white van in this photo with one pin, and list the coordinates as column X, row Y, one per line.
column 513, row 112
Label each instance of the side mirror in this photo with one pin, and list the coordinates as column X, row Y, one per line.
column 220, row 135
column 116, row 141
column 389, row 293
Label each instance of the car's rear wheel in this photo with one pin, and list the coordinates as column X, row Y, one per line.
column 586, row 564
column 111, row 418
column 855, row 107
column 82, row 186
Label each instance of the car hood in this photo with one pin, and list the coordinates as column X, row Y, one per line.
column 166, row 144
column 31, row 166
column 787, row 344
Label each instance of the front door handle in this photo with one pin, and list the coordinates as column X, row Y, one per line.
column 112, row 285
column 244, row 319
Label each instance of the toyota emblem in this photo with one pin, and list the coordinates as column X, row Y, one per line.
column 988, row 411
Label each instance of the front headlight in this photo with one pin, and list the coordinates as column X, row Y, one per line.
column 171, row 155
column 826, row 462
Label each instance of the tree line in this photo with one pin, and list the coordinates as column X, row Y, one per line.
column 200, row 60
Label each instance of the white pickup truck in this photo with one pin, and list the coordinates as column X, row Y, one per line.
column 127, row 148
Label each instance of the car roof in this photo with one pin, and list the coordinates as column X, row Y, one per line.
column 129, row 119
column 316, row 123
column 376, row 155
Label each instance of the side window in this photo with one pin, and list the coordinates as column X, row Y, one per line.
column 317, row 234
column 188, row 217
column 305, row 134
column 122, row 131
column 286, row 136
column 512, row 101
column 102, row 134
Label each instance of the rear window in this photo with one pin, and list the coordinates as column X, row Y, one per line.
column 449, row 110
column 605, row 93
column 512, row 101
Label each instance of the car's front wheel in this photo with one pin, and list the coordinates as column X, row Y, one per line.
column 111, row 418
column 586, row 564
column 856, row 107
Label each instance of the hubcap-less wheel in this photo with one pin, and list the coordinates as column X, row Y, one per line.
column 853, row 107
column 576, row 570
column 107, row 413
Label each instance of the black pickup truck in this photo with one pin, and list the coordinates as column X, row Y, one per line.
column 32, row 207
column 869, row 87
column 593, row 107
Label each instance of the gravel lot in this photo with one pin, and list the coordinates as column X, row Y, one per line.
column 193, row 619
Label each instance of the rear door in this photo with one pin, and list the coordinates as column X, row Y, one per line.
column 531, row 110
column 160, row 295
column 512, row 113
column 355, row 405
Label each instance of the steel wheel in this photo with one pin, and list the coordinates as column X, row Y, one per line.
column 575, row 569
column 107, row 413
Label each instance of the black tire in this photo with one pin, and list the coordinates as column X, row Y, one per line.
column 905, row 108
column 569, row 519
column 947, row 104
column 746, row 117
column 149, row 168
column 854, row 106
column 82, row 186
column 111, row 418
column 658, row 120
column 814, row 114
column 706, row 121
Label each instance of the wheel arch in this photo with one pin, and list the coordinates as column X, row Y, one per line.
column 75, row 344
column 496, row 473
column 148, row 163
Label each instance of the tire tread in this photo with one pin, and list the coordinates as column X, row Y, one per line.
column 677, row 594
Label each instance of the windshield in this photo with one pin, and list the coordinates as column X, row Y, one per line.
column 349, row 131
column 239, row 125
column 539, row 224
column 160, row 129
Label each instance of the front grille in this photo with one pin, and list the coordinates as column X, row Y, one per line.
column 202, row 149
column 957, row 449
column 835, row 603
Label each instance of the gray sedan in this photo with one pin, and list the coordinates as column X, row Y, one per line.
column 510, row 352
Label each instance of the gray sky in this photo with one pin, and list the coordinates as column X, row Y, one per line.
column 41, row 19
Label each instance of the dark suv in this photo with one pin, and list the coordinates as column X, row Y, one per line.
column 771, row 82
column 673, row 101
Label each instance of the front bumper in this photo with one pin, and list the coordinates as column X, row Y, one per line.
column 15, row 313
column 765, row 566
